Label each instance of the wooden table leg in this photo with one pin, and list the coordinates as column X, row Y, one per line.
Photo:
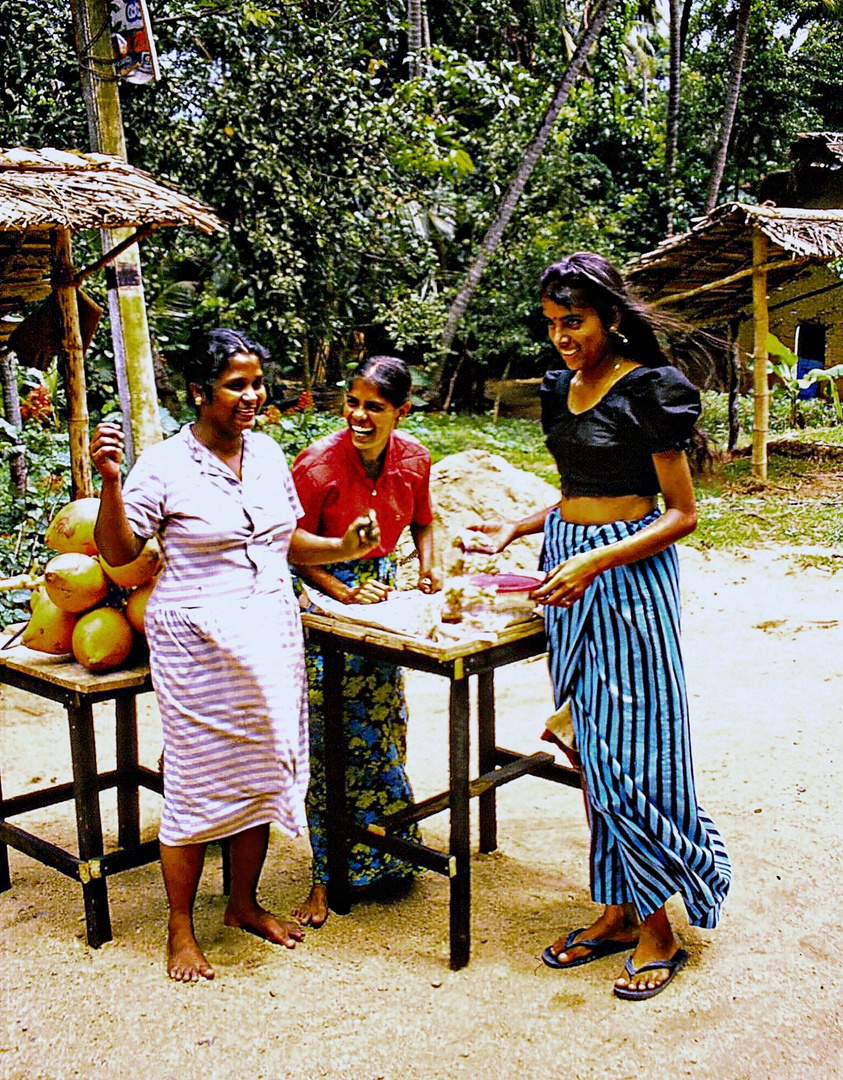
column 339, row 886
column 5, row 876
column 88, row 821
column 128, row 799
column 486, row 741
column 460, row 899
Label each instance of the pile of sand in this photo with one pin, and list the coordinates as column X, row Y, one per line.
column 475, row 486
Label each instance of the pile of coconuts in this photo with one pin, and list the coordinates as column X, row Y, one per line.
column 84, row 606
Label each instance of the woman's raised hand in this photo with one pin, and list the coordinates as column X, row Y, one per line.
column 493, row 536
column 362, row 536
column 107, row 450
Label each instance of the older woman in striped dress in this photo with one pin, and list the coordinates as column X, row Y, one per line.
column 224, row 632
column 618, row 420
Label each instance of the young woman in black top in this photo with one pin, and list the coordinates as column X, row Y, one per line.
column 618, row 421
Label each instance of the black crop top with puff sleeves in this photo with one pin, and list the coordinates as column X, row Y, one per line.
column 608, row 450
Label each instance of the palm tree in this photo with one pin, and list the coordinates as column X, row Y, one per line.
column 513, row 193
column 672, row 142
column 418, row 36
column 731, row 105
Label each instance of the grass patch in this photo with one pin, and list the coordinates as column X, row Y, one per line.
column 799, row 504
column 520, row 442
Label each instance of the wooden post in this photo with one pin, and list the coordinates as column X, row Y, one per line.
column 761, row 326
column 73, row 352
column 133, row 361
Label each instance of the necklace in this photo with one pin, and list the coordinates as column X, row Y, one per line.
column 580, row 379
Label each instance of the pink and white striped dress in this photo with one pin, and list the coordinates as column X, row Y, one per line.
column 225, row 637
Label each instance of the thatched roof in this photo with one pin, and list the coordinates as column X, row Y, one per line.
column 61, row 189
column 719, row 247
column 818, row 148
column 42, row 190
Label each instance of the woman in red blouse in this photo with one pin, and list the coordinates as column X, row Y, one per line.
column 368, row 466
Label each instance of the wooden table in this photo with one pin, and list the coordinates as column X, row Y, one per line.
column 457, row 663
column 63, row 680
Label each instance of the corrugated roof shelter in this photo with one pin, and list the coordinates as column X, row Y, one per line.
column 45, row 196
column 728, row 263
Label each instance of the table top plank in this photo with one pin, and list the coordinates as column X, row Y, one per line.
column 63, row 671
column 441, row 652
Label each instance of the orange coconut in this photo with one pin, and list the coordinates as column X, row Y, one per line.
column 72, row 529
column 102, row 639
column 140, row 570
column 75, row 582
column 49, row 629
column 136, row 605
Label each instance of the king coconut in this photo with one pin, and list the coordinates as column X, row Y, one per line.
column 84, row 606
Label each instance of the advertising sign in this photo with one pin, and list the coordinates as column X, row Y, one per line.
column 135, row 58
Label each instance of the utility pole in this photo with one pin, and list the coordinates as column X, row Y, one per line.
column 126, row 307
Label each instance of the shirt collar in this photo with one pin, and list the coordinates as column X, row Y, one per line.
column 207, row 460
column 356, row 461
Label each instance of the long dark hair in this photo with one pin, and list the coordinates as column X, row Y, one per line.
column 389, row 374
column 586, row 279
column 209, row 356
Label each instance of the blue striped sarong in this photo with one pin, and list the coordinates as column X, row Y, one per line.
column 616, row 656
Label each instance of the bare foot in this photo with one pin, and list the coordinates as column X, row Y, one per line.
column 655, row 942
column 616, row 923
column 314, row 911
column 257, row 920
column 185, row 960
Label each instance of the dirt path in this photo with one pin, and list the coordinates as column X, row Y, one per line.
column 371, row 996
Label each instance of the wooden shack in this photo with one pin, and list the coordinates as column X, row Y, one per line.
column 735, row 268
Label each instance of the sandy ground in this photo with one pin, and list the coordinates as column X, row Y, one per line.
column 371, row 995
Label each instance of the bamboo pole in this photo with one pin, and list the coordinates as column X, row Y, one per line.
column 74, row 357
column 675, row 298
column 761, row 326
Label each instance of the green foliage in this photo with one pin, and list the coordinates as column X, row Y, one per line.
column 357, row 196
column 24, row 518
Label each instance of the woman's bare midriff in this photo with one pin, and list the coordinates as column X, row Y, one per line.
column 600, row 510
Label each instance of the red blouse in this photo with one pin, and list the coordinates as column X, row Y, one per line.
column 334, row 489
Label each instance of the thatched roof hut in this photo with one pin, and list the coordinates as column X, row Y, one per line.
column 45, row 196
column 727, row 264
column 45, row 190
column 706, row 274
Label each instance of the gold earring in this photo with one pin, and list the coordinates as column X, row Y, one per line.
column 614, row 330
column 198, row 400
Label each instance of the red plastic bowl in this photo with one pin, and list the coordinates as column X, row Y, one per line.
column 504, row 583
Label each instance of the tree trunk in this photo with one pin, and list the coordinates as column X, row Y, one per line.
column 415, row 36
column 731, row 105
column 11, row 409
column 672, row 144
column 513, row 193
column 684, row 23
column 133, row 362
column 74, row 358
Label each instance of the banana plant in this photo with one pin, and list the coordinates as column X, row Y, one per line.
column 784, row 364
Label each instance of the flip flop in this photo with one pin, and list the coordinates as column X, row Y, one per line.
column 600, row 947
column 673, row 965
